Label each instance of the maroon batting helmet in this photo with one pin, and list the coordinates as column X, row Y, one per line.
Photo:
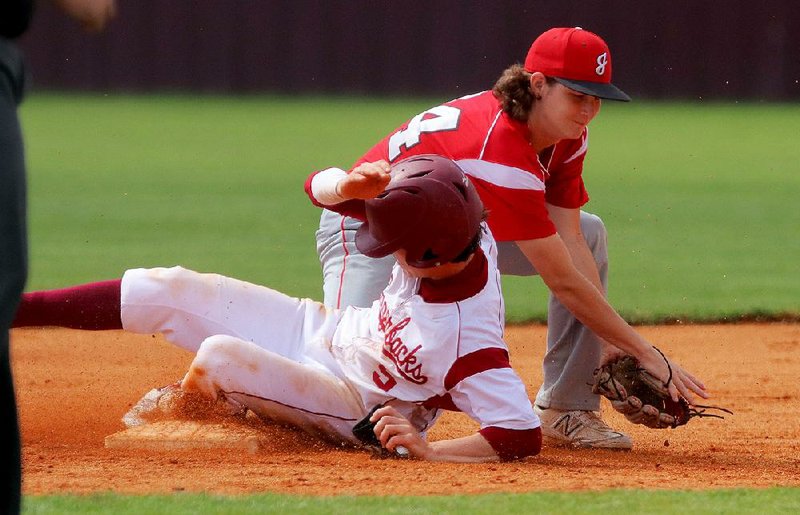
column 430, row 209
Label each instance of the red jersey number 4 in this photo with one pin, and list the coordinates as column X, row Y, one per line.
column 436, row 119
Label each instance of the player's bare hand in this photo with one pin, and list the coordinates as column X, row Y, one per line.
column 395, row 431
column 687, row 384
column 365, row 181
column 682, row 383
column 93, row 15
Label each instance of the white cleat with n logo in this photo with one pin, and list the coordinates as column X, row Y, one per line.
column 581, row 429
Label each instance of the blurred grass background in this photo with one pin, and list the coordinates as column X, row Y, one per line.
column 699, row 199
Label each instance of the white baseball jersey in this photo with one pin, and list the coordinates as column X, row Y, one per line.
column 435, row 346
column 436, row 343
column 424, row 346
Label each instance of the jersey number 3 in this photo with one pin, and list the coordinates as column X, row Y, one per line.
column 439, row 118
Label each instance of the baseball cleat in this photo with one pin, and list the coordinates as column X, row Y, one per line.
column 171, row 402
column 580, row 429
column 152, row 406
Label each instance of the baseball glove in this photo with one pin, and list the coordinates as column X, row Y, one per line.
column 643, row 398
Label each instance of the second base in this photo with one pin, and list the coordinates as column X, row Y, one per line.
column 168, row 435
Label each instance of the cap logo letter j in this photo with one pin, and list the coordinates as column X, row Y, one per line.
column 602, row 61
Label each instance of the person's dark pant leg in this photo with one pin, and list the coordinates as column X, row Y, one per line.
column 13, row 263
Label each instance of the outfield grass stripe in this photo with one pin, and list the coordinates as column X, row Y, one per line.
column 700, row 199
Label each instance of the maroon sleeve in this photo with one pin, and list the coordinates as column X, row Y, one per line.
column 513, row 444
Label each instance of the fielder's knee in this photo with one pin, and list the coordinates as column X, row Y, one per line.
column 595, row 234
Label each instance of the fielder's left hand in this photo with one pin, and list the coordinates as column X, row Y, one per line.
column 366, row 181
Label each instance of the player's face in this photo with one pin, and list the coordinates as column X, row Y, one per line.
column 566, row 112
column 436, row 272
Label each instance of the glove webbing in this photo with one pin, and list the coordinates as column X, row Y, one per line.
column 693, row 409
column 669, row 378
column 701, row 413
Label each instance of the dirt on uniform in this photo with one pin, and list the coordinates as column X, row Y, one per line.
column 74, row 386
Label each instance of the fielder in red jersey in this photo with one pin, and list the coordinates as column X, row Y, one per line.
column 513, row 180
column 523, row 145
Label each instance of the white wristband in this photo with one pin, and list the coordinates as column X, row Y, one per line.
column 323, row 186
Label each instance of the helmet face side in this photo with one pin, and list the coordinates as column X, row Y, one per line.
column 429, row 209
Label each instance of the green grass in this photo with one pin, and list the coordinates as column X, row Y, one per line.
column 701, row 206
column 700, row 202
column 207, row 182
column 699, row 199
column 762, row 502
column 711, row 223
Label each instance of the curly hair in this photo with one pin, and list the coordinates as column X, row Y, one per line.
column 513, row 90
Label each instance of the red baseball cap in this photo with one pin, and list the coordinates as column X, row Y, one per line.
column 576, row 58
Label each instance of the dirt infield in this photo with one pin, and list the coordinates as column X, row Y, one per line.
column 74, row 386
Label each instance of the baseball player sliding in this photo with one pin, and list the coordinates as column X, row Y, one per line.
column 432, row 341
